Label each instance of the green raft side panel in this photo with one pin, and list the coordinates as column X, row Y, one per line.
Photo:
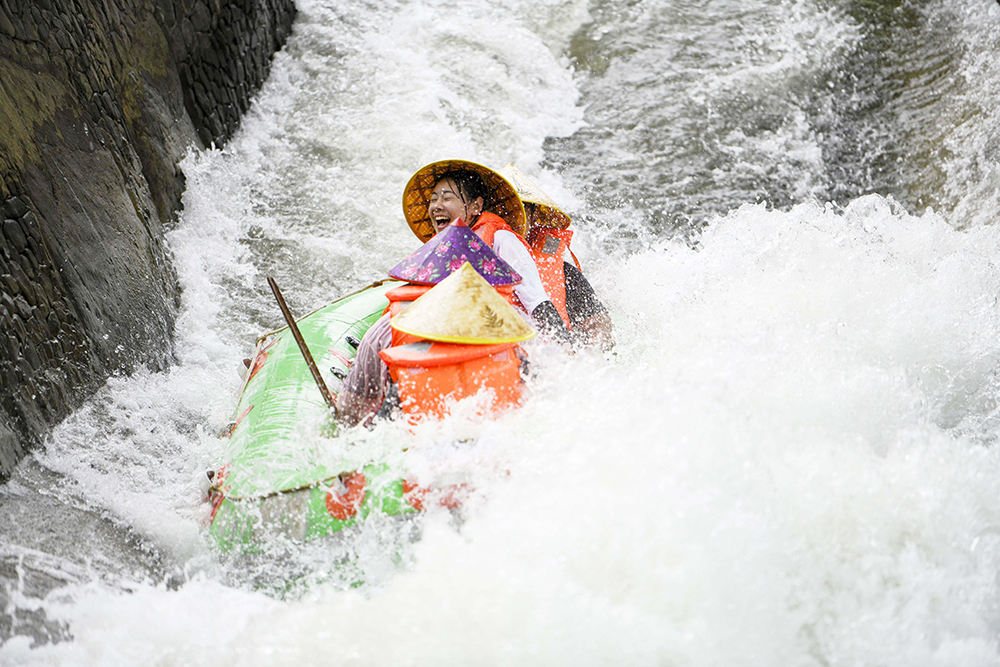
column 280, row 407
column 273, row 481
column 302, row 514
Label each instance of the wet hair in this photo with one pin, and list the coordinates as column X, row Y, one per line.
column 470, row 184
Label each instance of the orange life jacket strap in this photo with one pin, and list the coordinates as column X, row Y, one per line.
column 575, row 260
column 399, row 298
column 489, row 224
column 407, row 292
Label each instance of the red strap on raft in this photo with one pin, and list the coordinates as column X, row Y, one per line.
column 343, row 506
column 450, row 496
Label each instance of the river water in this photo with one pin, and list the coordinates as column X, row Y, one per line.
column 790, row 459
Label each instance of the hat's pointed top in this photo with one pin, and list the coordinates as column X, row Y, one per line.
column 446, row 252
column 463, row 308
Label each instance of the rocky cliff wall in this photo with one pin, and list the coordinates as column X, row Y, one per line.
column 99, row 99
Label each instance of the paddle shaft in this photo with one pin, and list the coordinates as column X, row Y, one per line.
column 302, row 345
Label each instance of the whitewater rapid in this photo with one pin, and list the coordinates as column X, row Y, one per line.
column 790, row 458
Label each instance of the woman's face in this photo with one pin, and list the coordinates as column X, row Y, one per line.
column 446, row 205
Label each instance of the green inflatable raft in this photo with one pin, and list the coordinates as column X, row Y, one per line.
column 276, row 480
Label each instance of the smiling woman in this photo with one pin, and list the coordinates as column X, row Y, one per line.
column 476, row 189
column 460, row 190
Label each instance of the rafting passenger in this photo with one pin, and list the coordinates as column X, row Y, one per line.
column 368, row 384
column 368, row 381
column 449, row 191
column 564, row 282
column 443, row 192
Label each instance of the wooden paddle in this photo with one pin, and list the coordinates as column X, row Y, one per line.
column 302, row 345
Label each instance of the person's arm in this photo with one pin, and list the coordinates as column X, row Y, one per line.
column 511, row 250
column 364, row 388
column 590, row 319
column 353, row 408
column 550, row 322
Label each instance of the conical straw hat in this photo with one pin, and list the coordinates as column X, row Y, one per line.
column 550, row 215
column 447, row 252
column 463, row 308
column 501, row 198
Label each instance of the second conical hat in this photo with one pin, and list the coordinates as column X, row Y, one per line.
column 463, row 308
column 444, row 254
column 549, row 213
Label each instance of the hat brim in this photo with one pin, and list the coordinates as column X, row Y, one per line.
column 548, row 213
column 503, row 198
column 549, row 216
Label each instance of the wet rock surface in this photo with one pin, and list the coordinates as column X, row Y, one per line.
column 101, row 98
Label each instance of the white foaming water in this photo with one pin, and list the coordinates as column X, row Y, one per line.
column 771, row 473
column 788, row 461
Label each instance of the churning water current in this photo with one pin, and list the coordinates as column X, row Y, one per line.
column 790, row 459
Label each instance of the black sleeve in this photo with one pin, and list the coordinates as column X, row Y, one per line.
column 549, row 321
column 581, row 300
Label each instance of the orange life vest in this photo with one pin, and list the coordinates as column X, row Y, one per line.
column 547, row 247
column 429, row 375
column 399, row 298
column 489, row 224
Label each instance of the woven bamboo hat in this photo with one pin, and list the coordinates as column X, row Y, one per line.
column 463, row 308
column 501, row 198
column 549, row 214
column 447, row 252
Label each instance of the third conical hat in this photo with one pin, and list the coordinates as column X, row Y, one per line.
column 550, row 215
column 463, row 308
